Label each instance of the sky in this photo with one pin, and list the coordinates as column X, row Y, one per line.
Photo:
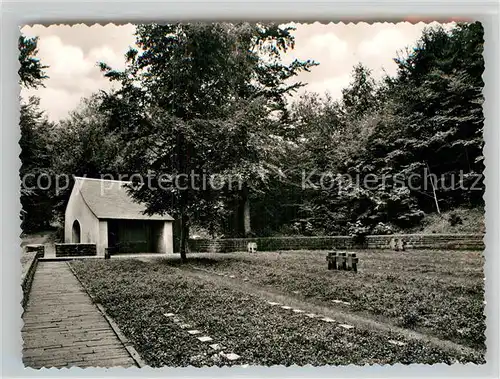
column 72, row 53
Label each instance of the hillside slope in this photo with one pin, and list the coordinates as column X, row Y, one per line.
column 460, row 220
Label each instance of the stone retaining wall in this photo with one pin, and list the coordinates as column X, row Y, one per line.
column 430, row 241
column 37, row 248
column 35, row 252
column 411, row 241
column 75, row 249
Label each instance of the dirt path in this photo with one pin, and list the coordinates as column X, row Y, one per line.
column 340, row 315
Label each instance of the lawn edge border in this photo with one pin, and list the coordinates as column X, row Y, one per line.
column 114, row 326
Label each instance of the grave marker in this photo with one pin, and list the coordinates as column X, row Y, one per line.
column 397, row 343
column 401, row 245
column 252, row 247
column 327, row 319
column 346, row 326
column 342, row 261
column 216, row 346
column 331, row 258
column 205, row 339
column 230, row 356
column 392, row 244
column 353, row 262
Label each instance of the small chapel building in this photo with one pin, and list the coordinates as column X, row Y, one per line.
column 101, row 212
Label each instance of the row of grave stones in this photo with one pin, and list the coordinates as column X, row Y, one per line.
column 327, row 319
column 310, row 315
column 342, row 261
column 398, row 244
column 346, row 261
column 349, row 261
column 215, row 347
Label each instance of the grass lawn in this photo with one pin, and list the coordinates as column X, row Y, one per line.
column 437, row 292
column 136, row 294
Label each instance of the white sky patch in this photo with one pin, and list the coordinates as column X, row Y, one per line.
column 72, row 54
column 386, row 43
column 65, row 61
column 330, row 44
column 333, row 86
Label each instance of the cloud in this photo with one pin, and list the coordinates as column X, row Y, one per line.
column 378, row 51
column 388, row 40
column 108, row 55
column 64, row 61
column 333, row 86
column 56, row 102
column 339, row 47
column 72, row 53
column 329, row 44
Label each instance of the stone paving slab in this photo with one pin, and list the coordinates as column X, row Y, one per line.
column 63, row 328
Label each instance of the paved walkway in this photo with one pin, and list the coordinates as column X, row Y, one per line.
column 62, row 327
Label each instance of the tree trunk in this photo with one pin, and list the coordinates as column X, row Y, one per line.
column 434, row 191
column 246, row 218
column 184, row 238
column 247, row 228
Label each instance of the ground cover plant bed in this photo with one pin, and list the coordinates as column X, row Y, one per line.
column 436, row 292
column 138, row 294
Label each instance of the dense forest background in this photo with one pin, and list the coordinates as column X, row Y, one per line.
column 212, row 99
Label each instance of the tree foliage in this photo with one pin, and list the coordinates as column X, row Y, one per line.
column 31, row 72
column 425, row 123
column 197, row 101
column 208, row 100
column 35, row 147
column 35, row 168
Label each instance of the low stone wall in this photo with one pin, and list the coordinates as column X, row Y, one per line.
column 38, row 249
column 34, row 253
column 269, row 244
column 75, row 249
column 411, row 241
column 430, row 241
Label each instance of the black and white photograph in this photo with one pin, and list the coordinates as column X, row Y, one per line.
column 242, row 193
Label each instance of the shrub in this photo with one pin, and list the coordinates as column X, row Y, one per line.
column 358, row 232
column 455, row 219
column 382, row 228
column 410, row 319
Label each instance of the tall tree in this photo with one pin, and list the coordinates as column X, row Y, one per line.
column 334, row 133
column 35, row 171
column 212, row 98
column 360, row 97
column 425, row 123
column 31, row 72
column 439, row 107
column 85, row 144
column 35, row 151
